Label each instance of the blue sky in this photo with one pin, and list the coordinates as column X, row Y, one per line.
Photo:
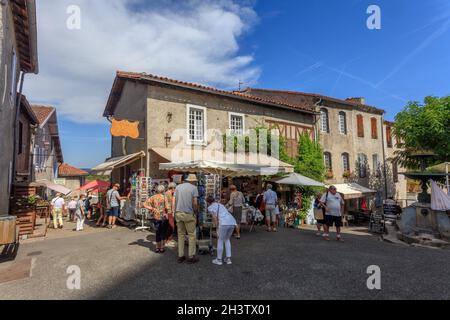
column 312, row 46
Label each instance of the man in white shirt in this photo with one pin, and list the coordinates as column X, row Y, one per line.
column 270, row 199
column 72, row 206
column 334, row 206
column 58, row 206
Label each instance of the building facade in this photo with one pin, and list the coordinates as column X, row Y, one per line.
column 71, row 177
column 47, row 152
column 18, row 56
column 356, row 140
column 174, row 114
column 27, row 124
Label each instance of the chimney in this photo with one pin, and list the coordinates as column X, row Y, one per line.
column 358, row 100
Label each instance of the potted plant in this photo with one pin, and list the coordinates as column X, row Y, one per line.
column 302, row 215
column 347, row 174
column 329, row 174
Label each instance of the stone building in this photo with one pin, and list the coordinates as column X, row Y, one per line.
column 47, row 153
column 27, row 124
column 174, row 114
column 71, row 177
column 354, row 136
column 18, row 56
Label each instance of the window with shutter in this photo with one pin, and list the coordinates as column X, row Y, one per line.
column 389, row 136
column 360, row 125
column 373, row 125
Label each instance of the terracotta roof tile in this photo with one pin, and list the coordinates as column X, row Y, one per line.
column 277, row 94
column 66, row 170
column 232, row 94
column 42, row 112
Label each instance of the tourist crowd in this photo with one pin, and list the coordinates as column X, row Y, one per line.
column 174, row 210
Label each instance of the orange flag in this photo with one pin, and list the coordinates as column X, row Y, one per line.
column 125, row 128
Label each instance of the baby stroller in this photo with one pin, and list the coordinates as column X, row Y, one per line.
column 206, row 246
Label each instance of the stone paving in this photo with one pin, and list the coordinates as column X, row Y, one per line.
column 289, row 264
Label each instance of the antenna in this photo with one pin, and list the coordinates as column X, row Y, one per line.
column 239, row 84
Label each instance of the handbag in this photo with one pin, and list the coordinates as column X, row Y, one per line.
column 318, row 214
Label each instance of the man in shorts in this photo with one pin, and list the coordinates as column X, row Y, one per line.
column 270, row 199
column 334, row 206
column 113, row 204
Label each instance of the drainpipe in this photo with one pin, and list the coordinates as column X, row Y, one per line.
column 316, row 120
column 15, row 133
column 384, row 158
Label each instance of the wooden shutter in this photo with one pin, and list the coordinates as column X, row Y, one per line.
column 389, row 136
column 360, row 125
column 373, row 125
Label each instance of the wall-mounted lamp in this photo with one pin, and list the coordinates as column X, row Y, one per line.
column 167, row 138
column 169, row 117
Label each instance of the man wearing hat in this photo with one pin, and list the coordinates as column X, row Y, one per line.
column 186, row 207
column 58, row 207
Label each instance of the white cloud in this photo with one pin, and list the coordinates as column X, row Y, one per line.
column 192, row 40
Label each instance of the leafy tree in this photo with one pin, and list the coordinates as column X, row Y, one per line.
column 309, row 161
column 423, row 127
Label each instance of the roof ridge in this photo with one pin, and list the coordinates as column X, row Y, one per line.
column 318, row 95
column 146, row 76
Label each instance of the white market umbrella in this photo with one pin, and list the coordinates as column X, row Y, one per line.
column 298, row 180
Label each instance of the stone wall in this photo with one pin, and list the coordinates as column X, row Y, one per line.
column 164, row 100
column 7, row 107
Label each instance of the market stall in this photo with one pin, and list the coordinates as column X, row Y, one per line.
column 289, row 213
column 211, row 175
column 358, row 201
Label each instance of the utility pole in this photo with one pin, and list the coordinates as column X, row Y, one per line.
column 239, row 85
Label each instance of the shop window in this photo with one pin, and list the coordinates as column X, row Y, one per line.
column 374, row 128
column 342, row 123
column 324, row 121
column 360, row 125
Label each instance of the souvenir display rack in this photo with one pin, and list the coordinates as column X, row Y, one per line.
column 143, row 192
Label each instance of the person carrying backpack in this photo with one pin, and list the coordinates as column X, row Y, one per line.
column 334, row 206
